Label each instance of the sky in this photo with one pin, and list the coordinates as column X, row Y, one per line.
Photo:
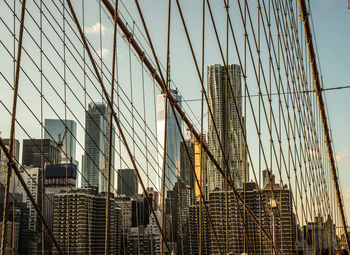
column 331, row 20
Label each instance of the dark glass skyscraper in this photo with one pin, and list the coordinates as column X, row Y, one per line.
column 95, row 159
column 127, row 182
column 35, row 150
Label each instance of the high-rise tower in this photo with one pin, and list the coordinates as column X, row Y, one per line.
column 226, row 118
column 172, row 166
column 95, row 159
column 63, row 131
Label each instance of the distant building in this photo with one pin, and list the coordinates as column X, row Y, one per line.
column 154, row 196
column 139, row 241
column 95, row 159
column 236, row 230
column 226, row 118
column 19, row 216
column 32, row 176
column 38, row 152
column 140, row 211
column 65, row 130
column 172, row 166
column 186, row 163
column 198, row 230
column 4, row 160
column 59, row 176
column 279, row 213
column 127, row 182
column 56, row 182
column 87, row 208
column 200, row 161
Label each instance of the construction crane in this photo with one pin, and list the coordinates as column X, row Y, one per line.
column 60, row 145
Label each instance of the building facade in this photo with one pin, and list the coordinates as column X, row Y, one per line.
column 226, row 118
column 127, row 182
column 172, row 166
column 66, row 130
column 95, row 159
column 38, row 152
column 4, row 160
column 79, row 222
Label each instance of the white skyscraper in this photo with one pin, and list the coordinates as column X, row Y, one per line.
column 172, row 167
column 226, row 118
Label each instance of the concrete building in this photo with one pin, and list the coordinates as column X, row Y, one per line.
column 95, row 159
column 4, row 161
column 238, row 233
column 198, row 230
column 227, row 119
column 81, row 229
column 56, row 182
column 172, row 166
column 200, row 161
column 33, row 178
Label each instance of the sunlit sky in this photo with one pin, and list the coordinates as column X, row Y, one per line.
column 331, row 19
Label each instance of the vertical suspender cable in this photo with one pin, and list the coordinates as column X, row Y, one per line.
column 317, row 86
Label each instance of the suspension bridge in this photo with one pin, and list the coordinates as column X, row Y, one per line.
column 165, row 127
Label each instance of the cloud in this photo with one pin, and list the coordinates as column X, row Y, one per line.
column 102, row 53
column 342, row 158
column 95, row 29
column 346, row 195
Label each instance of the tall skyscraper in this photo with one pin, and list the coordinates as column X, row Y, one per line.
column 226, row 118
column 127, row 182
column 37, row 152
column 172, row 166
column 95, row 159
column 56, row 130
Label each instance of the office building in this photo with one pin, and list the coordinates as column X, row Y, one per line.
column 4, row 160
column 172, row 166
column 127, row 182
column 279, row 218
column 154, row 196
column 38, row 152
column 200, row 162
column 87, row 207
column 187, row 162
column 58, row 178
column 32, row 176
column 227, row 119
column 198, row 230
column 95, row 159
column 64, row 131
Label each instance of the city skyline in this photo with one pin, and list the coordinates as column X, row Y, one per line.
column 256, row 133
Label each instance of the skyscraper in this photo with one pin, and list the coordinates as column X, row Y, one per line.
column 226, row 118
column 200, row 161
column 4, row 159
column 172, row 166
column 37, row 152
column 55, row 130
column 95, row 159
column 127, row 182
column 185, row 163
